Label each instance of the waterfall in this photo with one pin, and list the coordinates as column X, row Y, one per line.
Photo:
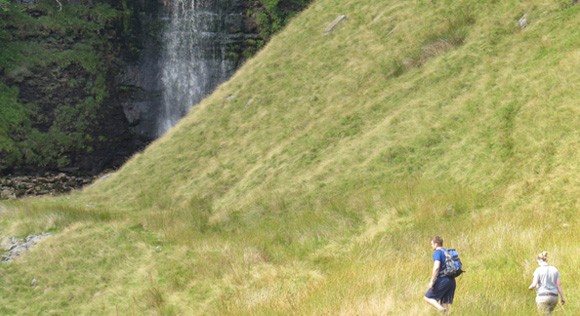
column 193, row 61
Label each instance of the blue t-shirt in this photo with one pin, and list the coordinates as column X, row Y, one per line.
column 439, row 255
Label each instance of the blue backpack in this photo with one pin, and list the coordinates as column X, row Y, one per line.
column 453, row 266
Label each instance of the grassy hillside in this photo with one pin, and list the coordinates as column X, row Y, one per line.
column 312, row 181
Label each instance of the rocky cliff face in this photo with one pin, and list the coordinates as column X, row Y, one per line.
column 80, row 80
column 56, row 66
column 217, row 39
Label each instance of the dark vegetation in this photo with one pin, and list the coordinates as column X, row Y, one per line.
column 272, row 15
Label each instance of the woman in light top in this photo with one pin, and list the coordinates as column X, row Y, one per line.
column 547, row 284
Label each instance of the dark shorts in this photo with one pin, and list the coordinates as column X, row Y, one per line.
column 443, row 290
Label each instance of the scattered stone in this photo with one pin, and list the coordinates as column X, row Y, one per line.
column 523, row 21
column 50, row 183
column 334, row 24
column 14, row 247
column 7, row 194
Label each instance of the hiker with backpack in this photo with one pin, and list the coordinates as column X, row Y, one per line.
column 446, row 266
column 547, row 284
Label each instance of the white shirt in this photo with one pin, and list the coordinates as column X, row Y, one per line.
column 547, row 276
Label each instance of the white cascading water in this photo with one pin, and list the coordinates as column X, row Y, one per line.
column 194, row 57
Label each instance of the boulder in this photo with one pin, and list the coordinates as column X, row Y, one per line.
column 339, row 19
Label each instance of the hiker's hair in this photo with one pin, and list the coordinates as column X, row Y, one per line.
column 543, row 256
column 438, row 240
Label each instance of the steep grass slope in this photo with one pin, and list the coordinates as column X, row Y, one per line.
column 311, row 182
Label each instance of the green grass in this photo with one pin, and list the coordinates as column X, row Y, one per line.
column 312, row 181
